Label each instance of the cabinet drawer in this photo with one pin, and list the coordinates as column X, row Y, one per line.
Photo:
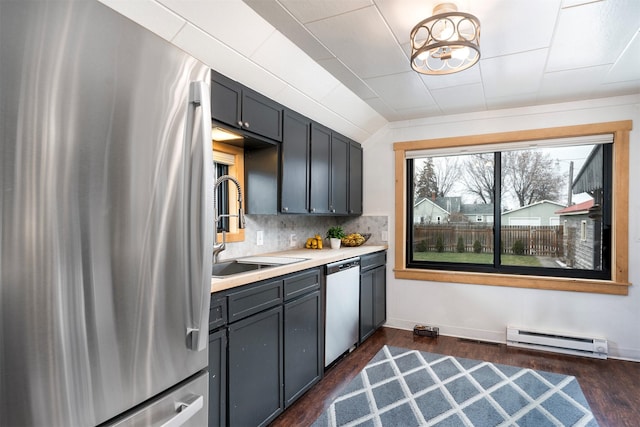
column 253, row 299
column 301, row 283
column 217, row 311
column 369, row 261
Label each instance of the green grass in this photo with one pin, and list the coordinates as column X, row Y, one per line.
column 473, row 258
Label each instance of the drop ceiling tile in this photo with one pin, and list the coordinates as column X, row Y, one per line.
column 307, row 12
column 284, row 22
column 511, row 101
column 379, row 105
column 627, row 66
column 516, row 26
column 285, row 60
column 230, row 21
column 150, row 15
column 401, row 91
column 515, row 74
column 460, row 99
column 363, row 42
column 227, row 61
column 630, row 87
column 571, row 85
column 593, row 34
column 403, row 15
column 345, row 103
column 347, row 78
column 461, row 78
column 417, row 113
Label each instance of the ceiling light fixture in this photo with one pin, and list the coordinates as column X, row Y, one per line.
column 445, row 43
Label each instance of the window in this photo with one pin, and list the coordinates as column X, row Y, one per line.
column 228, row 161
column 502, row 179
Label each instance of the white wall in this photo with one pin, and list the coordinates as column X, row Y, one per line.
column 483, row 312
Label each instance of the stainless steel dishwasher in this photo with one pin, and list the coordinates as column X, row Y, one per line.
column 342, row 308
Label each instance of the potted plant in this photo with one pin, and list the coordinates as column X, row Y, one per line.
column 335, row 234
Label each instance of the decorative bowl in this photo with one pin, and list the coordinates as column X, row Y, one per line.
column 352, row 239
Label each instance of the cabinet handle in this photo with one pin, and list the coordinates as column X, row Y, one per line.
column 333, row 211
column 285, row 209
column 240, row 123
column 313, row 209
column 246, row 124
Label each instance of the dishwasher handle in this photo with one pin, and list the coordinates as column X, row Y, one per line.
column 342, row 265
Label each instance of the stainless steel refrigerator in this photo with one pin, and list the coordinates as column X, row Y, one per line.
column 106, row 221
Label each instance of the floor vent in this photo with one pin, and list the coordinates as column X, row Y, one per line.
column 559, row 343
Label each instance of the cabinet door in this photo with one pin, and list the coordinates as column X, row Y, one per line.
column 320, row 169
column 255, row 369
column 339, row 173
column 226, row 98
column 379, row 296
column 366, row 305
column 294, row 179
column 217, row 378
column 261, row 115
column 355, row 178
column 373, row 301
column 302, row 345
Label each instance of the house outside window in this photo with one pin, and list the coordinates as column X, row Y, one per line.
column 574, row 166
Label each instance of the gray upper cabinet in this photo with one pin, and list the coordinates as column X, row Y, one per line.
column 336, row 173
column 242, row 108
column 314, row 169
column 355, row 178
column 294, row 165
column 339, row 174
column 320, row 169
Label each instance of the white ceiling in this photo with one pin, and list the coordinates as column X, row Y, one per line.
column 532, row 51
column 345, row 63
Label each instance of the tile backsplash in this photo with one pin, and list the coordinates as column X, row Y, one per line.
column 277, row 231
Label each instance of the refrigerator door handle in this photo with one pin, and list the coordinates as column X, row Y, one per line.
column 200, row 217
column 184, row 411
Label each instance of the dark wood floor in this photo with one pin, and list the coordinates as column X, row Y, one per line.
column 612, row 387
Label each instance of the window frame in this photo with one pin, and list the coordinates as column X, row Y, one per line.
column 236, row 170
column 619, row 282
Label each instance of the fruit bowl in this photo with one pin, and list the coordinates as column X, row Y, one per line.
column 355, row 239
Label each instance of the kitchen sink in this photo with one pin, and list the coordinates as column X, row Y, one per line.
column 228, row 268
column 243, row 265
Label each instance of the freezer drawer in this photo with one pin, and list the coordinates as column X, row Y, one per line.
column 186, row 406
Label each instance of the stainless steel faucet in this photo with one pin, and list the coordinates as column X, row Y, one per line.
column 219, row 247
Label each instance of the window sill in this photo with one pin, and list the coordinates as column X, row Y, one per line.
column 516, row 281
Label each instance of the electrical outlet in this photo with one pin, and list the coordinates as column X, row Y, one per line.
column 385, row 235
column 293, row 241
column 260, row 238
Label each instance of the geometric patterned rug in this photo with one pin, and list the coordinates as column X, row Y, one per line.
column 401, row 387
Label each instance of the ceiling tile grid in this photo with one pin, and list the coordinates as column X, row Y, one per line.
column 532, row 52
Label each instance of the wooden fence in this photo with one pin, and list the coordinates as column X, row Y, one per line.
column 536, row 240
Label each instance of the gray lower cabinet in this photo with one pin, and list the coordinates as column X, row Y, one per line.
column 218, row 378
column 303, row 334
column 255, row 369
column 373, row 293
column 273, row 354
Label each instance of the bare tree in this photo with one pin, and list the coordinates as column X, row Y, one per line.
column 447, row 173
column 479, row 176
column 531, row 176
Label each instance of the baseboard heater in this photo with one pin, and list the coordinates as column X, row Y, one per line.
column 559, row 343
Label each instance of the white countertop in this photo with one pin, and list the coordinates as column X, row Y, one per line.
column 315, row 257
